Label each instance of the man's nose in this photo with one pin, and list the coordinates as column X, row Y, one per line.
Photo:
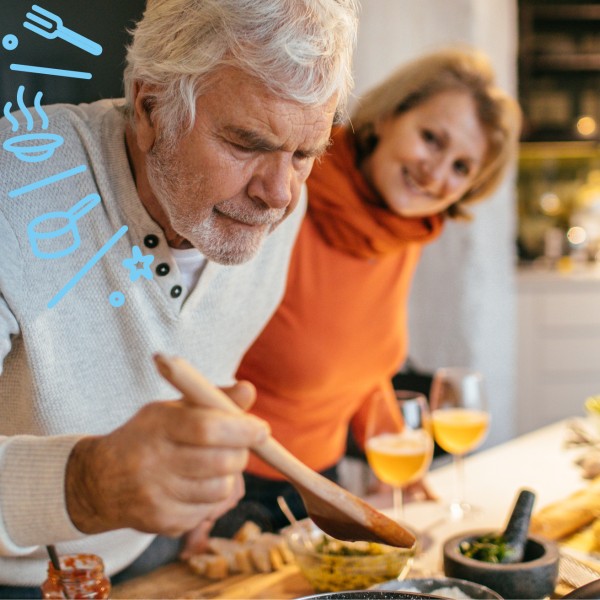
column 272, row 181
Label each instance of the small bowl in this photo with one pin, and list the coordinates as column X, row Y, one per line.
column 438, row 586
column 334, row 572
column 535, row 577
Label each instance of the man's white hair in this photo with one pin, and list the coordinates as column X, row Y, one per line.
column 300, row 49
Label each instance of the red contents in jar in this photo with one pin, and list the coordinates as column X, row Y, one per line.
column 80, row 576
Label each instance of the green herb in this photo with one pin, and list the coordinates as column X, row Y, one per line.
column 491, row 548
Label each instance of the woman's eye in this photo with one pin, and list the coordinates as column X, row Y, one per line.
column 461, row 167
column 429, row 136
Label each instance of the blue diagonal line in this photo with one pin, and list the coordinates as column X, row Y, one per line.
column 49, row 71
column 113, row 240
column 42, row 182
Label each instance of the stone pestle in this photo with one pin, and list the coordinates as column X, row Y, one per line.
column 517, row 528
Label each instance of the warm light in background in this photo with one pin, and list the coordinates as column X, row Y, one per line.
column 576, row 235
column 550, row 203
column 586, row 126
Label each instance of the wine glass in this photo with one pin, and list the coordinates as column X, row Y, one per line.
column 460, row 421
column 399, row 447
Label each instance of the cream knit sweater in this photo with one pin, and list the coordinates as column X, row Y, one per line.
column 84, row 366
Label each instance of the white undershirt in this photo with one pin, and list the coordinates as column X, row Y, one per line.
column 191, row 263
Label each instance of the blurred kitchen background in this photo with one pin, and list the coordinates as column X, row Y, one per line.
column 515, row 293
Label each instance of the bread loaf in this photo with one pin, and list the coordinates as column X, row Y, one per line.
column 566, row 516
column 250, row 551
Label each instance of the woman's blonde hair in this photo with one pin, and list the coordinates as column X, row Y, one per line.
column 300, row 49
column 425, row 77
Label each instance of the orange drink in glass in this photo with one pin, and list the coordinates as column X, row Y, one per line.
column 399, row 450
column 460, row 421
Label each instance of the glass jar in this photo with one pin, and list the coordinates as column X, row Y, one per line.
column 80, row 576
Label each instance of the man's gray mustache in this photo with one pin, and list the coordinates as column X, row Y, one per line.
column 270, row 218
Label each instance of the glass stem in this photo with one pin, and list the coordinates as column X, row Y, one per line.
column 398, row 503
column 459, row 469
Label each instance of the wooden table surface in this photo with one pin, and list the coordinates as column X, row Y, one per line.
column 179, row 581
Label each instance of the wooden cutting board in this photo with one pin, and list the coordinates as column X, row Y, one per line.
column 179, row 581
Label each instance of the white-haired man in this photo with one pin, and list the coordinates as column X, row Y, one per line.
column 228, row 103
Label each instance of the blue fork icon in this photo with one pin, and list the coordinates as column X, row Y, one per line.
column 50, row 26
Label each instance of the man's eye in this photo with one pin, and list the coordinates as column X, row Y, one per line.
column 302, row 157
column 245, row 149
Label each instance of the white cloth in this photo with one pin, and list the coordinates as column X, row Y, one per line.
column 190, row 262
column 84, row 366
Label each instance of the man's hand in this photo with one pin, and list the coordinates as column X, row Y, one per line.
column 172, row 466
column 196, row 540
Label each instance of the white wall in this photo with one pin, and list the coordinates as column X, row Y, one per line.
column 463, row 309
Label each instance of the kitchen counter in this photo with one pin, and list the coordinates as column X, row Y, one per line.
column 534, row 275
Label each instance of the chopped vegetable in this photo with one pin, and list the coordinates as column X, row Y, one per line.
column 491, row 548
column 333, row 547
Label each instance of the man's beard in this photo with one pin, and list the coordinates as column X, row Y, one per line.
column 174, row 191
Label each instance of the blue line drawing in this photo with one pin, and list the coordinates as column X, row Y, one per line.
column 59, row 224
column 52, row 27
column 17, row 145
column 136, row 258
column 67, row 288
column 26, row 113
column 117, row 299
column 24, row 108
column 33, row 153
column 40, row 111
column 10, row 42
column 47, row 181
column 14, row 122
column 49, row 71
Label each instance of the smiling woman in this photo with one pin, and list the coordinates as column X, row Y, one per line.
column 427, row 160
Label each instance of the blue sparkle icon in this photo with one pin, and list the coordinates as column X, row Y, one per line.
column 136, row 258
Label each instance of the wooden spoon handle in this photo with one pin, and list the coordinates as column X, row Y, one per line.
column 198, row 390
column 193, row 385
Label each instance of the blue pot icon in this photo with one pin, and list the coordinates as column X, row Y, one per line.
column 55, row 234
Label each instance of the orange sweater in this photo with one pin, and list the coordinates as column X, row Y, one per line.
column 328, row 354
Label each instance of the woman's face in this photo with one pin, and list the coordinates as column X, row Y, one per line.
column 429, row 156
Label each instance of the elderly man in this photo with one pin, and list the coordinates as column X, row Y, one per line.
column 159, row 223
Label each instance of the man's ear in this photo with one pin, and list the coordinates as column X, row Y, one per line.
column 143, row 103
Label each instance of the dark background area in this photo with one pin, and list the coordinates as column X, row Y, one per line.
column 104, row 22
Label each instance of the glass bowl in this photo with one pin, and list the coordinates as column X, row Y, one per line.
column 331, row 565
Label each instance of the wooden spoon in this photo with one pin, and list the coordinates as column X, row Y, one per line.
column 335, row 510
